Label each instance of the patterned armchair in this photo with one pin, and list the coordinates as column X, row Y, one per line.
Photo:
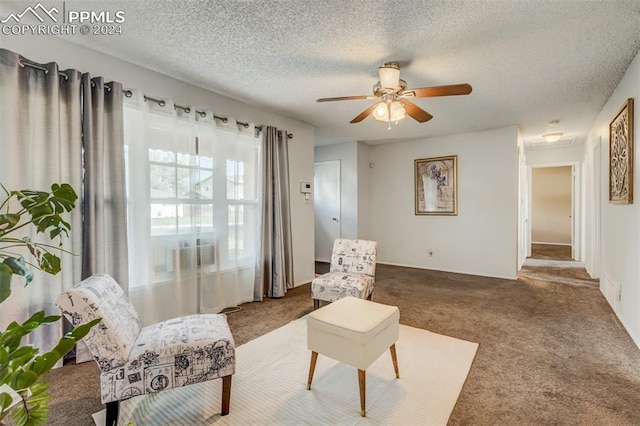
column 352, row 272
column 136, row 360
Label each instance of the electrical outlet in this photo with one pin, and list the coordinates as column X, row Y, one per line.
column 430, row 251
column 619, row 291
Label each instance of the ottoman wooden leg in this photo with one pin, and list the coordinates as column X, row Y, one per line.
column 226, row 394
column 362, row 374
column 394, row 358
column 112, row 413
column 312, row 367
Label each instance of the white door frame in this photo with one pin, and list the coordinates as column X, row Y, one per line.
column 576, row 204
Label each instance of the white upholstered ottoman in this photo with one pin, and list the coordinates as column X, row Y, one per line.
column 353, row 331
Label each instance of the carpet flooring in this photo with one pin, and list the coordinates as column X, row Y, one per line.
column 551, row 252
column 551, row 349
column 270, row 386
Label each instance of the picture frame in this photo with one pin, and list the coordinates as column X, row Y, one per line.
column 621, row 155
column 436, row 186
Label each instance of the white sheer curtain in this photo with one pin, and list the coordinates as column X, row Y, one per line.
column 192, row 205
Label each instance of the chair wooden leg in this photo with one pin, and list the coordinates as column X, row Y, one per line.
column 362, row 383
column 394, row 358
column 113, row 408
column 226, row 394
column 316, row 304
column 312, row 368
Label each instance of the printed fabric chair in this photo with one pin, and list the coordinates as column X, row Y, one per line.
column 136, row 360
column 352, row 272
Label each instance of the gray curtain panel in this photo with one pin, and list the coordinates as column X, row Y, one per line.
column 104, row 248
column 275, row 274
column 47, row 119
column 41, row 144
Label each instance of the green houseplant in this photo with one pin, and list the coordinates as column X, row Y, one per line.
column 23, row 369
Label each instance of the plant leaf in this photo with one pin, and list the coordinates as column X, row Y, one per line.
column 5, row 281
column 19, row 267
column 24, row 351
column 25, row 379
column 51, row 318
column 5, row 401
column 38, row 316
column 65, row 345
column 4, row 357
column 49, row 263
column 65, row 196
column 82, row 330
column 45, row 362
column 9, row 220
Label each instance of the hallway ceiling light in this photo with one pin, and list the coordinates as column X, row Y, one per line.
column 552, row 137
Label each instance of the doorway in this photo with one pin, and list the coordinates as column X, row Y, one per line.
column 553, row 213
column 326, row 205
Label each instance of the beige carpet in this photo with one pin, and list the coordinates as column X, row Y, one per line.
column 269, row 386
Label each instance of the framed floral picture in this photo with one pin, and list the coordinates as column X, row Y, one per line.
column 621, row 155
column 436, row 186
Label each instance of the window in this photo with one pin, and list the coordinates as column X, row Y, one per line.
column 192, row 196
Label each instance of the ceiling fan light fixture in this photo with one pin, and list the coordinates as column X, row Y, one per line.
column 389, row 76
column 381, row 112
column 397, row 111
column 388, row 112
column 552, row 137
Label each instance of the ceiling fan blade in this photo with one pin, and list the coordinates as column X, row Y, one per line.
column 429, row 92
column 416, row 112
column 345, row 98
column 364, row 114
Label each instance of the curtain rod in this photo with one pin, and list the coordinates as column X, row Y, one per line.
column 128, row 93
column 26, row 63
column 186, row 109
column 259, row 129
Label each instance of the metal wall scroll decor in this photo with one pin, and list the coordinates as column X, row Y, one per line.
column 621, row 155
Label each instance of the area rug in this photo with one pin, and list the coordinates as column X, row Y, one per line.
column 269, row 387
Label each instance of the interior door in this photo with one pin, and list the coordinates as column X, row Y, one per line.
column 326, row 204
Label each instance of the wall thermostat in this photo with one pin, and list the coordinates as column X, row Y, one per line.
column 305, row 187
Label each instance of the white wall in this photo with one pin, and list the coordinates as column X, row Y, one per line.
column 620, row 224
column 45, row 49
column 562, row 154
column 364, row 191
column 482, row 239
column 347, row 154
column 551, row 205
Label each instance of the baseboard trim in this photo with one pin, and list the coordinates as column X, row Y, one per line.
column 609, row 289
column 626, row 328
column 504, row 277
column 301, row 283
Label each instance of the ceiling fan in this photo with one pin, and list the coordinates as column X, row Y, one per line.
column 394, row 97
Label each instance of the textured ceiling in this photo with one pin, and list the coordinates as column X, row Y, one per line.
column 529, row 61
